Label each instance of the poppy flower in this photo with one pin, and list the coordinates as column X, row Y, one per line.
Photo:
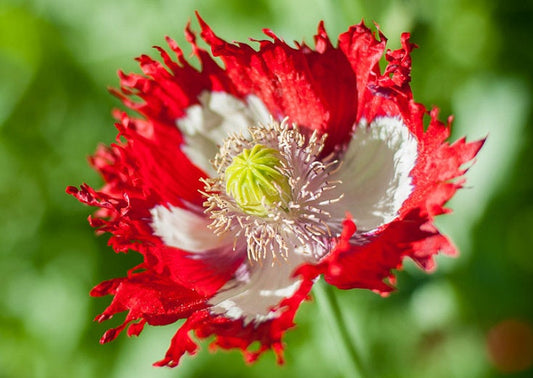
column 240, row 184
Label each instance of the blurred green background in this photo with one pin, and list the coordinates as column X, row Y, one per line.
column 57, row 57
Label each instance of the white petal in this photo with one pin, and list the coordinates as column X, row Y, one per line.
column 185, row 229
column 258, row 288
column 218, row 115
column 375, row 173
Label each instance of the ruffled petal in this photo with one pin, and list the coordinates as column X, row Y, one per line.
column 237, row 333
column 367, row 261
column 148, row 298
column 369, row 265
column 166, row 90
column 315, row 89
column 436, row 176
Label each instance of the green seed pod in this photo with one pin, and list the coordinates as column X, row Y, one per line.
column 254, row 180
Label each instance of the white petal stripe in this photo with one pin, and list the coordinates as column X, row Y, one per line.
column 186, row 230
column 265, row 285
column 219, row 114
column 376, row 171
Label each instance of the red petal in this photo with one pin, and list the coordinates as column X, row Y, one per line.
column 367, row 265
column 436, row 175
column 231, row 333
column 148, row 297
column 437, row 166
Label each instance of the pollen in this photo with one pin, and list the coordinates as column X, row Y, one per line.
column 255, row 180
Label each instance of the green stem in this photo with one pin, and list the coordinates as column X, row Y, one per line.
column 331, row 311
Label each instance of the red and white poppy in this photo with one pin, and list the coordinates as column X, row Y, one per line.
column 240, row 185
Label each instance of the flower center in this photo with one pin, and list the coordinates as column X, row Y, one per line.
column 272, row 192
column 255, row 180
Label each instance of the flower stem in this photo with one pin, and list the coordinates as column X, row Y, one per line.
column 331, row 311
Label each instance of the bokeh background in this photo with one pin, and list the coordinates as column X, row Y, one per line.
column 471, row 318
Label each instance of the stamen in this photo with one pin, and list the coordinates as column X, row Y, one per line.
column 272, row 191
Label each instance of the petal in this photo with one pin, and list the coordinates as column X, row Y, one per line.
column 147, row 297
column 389, row 93
column 258, row 304
column 368, row 262
column 367, row 265
column 186, row 230
column 235, row 332
column 167, row 91
column 316, row 89
column 375, row 173
column 439, row 164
